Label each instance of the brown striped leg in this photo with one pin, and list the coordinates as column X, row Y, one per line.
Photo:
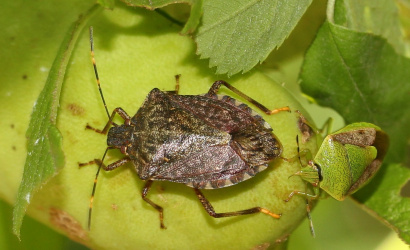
column 177, row 83
column 176, row 91
column 120, row 112
column 216, row 85
column 209, row 208
column 109, row 167
column 145, row 190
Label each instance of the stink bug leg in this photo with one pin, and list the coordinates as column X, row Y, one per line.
column 120, row 112
column 215, row 87
column 205, row 203
column 100, row 164
column 210, row 209
column 145, row 190
column 305, row 131
column 176, row 91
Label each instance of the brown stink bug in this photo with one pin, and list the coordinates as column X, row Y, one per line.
column 203, row 141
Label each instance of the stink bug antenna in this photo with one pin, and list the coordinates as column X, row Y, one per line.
column 100, row 164
column 96, row 71
column 312, row 229
column 298, row 148
column 300, row 161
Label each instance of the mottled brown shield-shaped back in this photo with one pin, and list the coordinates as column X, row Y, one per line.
column 202, row 141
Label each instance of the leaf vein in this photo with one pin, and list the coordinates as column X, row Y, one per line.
column 347, row 68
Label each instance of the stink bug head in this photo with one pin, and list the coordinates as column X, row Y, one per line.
column 310, row 173
column 120, row 136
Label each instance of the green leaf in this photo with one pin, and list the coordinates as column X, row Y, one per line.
column 44, row 154
column 194, row 18
column 362, row 77
column 379, row 17
column 153, row 4
column 36, row 235
column 109, row 4
column 386, row 202
column 236, row 35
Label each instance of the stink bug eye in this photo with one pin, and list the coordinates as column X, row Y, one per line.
column 347, row 160
column 205, row 141
column 319, row 172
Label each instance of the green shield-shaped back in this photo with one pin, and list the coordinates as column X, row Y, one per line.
column 349, row 158
column 334, row 164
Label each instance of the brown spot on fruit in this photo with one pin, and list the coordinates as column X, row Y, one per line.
column 262, row 246
column 75, row 109
column 282, row 239
column 65, row 222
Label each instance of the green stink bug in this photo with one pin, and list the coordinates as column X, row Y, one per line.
column 346, row 160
